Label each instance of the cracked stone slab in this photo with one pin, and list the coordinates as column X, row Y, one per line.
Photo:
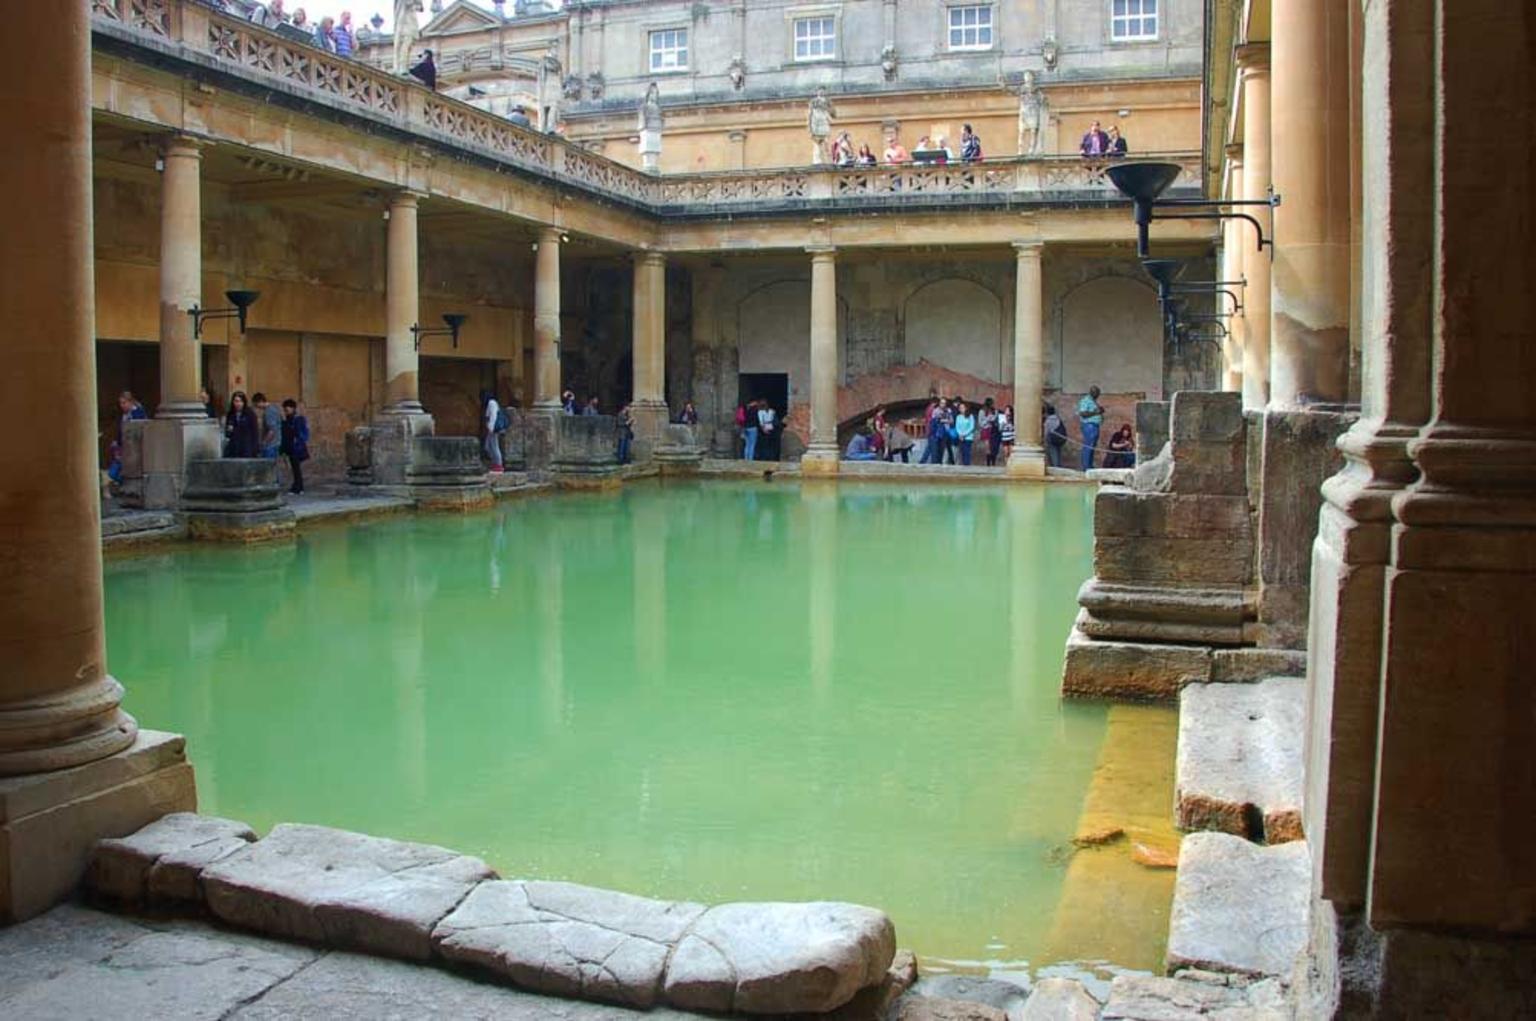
column 567, row 939
column 1187, row 996
column 1240, row 758
column 914, row 1007
column 342, row 889
column 777, row 958
column 1007, row 998
column 1060, row 999
column 1239, row 907
column 162, row 862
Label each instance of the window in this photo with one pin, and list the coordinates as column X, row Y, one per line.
column 970, row 27
column 669, row 50
column 815, row 38
column 1132, row 19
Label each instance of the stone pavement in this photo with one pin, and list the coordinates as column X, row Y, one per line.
column 81, row 964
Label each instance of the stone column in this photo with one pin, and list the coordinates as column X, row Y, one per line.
column 1253, row 72
column 715, row 430
column 58, row 705
column 546, row 321
column 1309, row 332
column 821, row 454
column 402, row 307
column 1028, row 457
column 181, row 277
column 649, row 350
column 181, row 432
column 1232, row 268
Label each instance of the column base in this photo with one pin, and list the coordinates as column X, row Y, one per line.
column 393, row 440
column 650, row 422
column 170, row 444
column 49, row 821
column 820, row 459
column 1025, row 463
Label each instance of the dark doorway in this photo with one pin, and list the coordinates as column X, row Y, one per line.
column 772, row 387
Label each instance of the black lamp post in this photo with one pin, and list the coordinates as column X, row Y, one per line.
column 1143, row 182
column 455, row 320
column 241, row 300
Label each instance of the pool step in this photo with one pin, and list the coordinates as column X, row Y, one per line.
column 1240, row 758
column 1239, row 907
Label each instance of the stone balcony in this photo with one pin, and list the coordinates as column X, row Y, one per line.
column 195, row 39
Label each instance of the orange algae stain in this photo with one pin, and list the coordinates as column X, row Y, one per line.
column 1113, row 906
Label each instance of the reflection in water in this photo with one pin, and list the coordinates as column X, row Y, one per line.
column 712, row 692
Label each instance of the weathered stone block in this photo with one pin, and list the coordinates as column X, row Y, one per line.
column 392, row 443
column 1229, row 665
column 1176, row 561
column 162, row 862
column 1124, row 512
column 1239, row 907
column 1163, row 613
column 1195, row 995
column 1207, row 438
column 566, row 939
column 678, row 450
column 927, row 1008
column 1240, row 758
column 969, row 996
column 1133, row 671
column 585, row 444
column 445, row 473
column 170, row 446
column 342, row 889
column 779, row 958
column 1060, row 999
column 359, row 455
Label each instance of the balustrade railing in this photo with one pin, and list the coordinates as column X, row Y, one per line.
column 199, row 26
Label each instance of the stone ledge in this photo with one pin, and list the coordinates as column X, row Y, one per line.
column 1130, row 671
column 163, row 862
column 1240, row 758
column 1239, row 907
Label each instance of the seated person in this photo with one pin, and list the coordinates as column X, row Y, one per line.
column 859, row 448
column 1122, row 449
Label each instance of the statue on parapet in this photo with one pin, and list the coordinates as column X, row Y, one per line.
column 819, row 121
column 407, row 31
column 1032, row 116
column 649, row 123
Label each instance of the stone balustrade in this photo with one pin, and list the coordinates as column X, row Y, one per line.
column 211, row 38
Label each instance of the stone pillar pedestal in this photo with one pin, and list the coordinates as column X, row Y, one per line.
column 169, row 446
column 236, row 499
column 392, row 441
column 678, row 452
column 445, row 474
column 73, row 766
column 1028, row 457
column 821, row 455
column 585, row 452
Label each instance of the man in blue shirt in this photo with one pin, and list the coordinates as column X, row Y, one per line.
column 1091, row 414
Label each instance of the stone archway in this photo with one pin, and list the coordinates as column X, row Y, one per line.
column 958, row 324
column 1111, row 337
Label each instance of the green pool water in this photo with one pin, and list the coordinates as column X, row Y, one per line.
column 706, row 691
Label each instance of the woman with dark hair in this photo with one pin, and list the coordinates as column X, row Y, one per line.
column 242, row 433
column 1122, row 450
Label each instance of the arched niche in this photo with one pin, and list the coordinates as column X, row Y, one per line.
column 958, row 324
column 1112, row 338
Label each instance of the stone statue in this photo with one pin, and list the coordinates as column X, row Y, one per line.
column 819, row 121
column 649, row 124
column 1032, row 114
column 738, row 72
column 596, row 84
column 888, row 61
column 572, row 87
column 407, row 31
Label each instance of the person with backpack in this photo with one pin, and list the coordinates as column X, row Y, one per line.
column 1006, row 432
column 495, row 422
column 294, row 444
column 1055, row 436
column 970, row 146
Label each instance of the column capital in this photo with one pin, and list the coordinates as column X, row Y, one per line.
column 821, row 253
column 1028, row 249
column 550, row 235
column 1252, row 58
column 184, row 146
column 649, row 257
column 405, row 198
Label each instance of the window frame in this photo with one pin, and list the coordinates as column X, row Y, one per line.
column 834, row 42
column 951, row 9
column 651, row 33
column 1140, row 17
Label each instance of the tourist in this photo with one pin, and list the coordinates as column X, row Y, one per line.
column 842, row 150
column 859, row 448
column 898, row 443
column 866, row 157
column 425, row 71
column 767, row 430
column 592, row 408
column 965, row 431
column 519, row 116
column 970, row 145
column 876, row 439
column 270, row 16
column 1055, row 436
column 1091, row 414
column 206, row 399
column 986, row 427
column 301, row 20
column 271, row 423
column 568, row 402
column 1116, row 149
column 343, row 37
column 942, row 152
column 626, row 433
column 128, row 409
column 1007, row 432
column 1095, row 143
column 325, row 34
column 924, row 151
column 896, row 154
column 689, row 415
column 242, row 432
column 493, row 422
column 295, row 443
column 1121, row 451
